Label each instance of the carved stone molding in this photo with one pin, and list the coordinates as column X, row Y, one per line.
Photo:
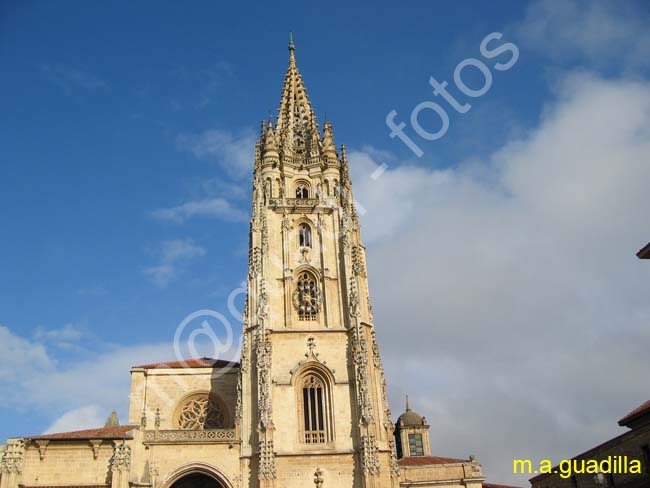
column 207, row 436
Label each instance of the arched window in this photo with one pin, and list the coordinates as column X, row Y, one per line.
column 201, row 411
column 306, row 298
column 316, row 408
column 313, row 411
column 302, row 190
column 304, row 235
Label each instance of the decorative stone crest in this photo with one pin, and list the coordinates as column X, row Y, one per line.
column 121, row 460
column 370, row 457
column 394, row 466
column 13, row 457
column 376, row 358
column 255, row 261
column 360, row 358
column 265, row 235
column 267, row 461
column 245, row 359
column 358, row 265
column 263, row 301
column 264, row 378
column 238, row 405
column 354, row 298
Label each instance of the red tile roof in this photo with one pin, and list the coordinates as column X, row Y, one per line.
column 120, row 432
column 424, row 460
column 642, row 409
column 191, row 363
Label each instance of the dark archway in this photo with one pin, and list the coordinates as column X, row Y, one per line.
column 197, row 480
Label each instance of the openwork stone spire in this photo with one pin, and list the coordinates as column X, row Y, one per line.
column 296, row 125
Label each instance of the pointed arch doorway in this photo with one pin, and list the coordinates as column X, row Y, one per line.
column 197, row 475
column 197, row 480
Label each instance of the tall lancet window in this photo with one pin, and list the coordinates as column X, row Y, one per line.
column 313, row 407
column 304, row 235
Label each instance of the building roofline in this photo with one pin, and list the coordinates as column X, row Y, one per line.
column 638, row 412
column 119, row 432
column 644, row 253
column 582, row 454
column 189, row 364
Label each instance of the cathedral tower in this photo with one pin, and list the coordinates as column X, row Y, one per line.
column 312, row 402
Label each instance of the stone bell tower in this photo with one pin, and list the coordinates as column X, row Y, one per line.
column 312, row 402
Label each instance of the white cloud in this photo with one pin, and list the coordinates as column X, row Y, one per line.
column 234, row 153
column 212, row 207
column 523, row 310
column 87, row 417
column 603, row 32
column 71, row 79
column 174, row 255
column 76, row 394
column 18, row 358
column 66, row 337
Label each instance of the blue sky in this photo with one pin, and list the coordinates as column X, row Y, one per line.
column 128, row 128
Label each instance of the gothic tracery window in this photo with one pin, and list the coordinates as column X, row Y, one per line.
column 315, row 410
column 302, row 190
column 306, row 297
column 200, row 412
column 304, row 235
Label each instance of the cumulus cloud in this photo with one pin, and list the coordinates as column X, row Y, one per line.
column 18, row 356
column 601, row 32
column 219, row 208
column 174, row 256
column 522, row 309
column 233, row 152
column 77, row 393
column 87, row 417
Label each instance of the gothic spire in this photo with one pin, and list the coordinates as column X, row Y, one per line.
column 296, row 119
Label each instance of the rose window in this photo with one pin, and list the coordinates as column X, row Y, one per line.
column 200, row 412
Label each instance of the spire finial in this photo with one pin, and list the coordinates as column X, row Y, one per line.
column 112, row 420
column 292, row 46
column 408, row 404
